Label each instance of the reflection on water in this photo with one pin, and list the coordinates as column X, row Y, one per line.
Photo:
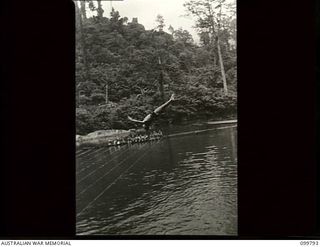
column 182, row 185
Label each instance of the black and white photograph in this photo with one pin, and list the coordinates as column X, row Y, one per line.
column 156, row 117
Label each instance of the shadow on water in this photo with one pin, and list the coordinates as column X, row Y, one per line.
column 182, row 185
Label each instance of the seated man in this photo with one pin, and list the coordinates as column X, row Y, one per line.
column 150, row 118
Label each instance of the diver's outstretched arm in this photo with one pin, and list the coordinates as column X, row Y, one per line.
column 135, row 120
column 160, row 108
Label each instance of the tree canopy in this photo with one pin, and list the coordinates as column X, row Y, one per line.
column 121, row 67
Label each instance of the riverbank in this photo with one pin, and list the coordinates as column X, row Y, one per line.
column 121, row 137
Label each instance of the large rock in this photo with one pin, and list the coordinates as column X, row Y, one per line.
column 101, row 136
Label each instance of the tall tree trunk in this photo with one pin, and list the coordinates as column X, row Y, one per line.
column 223, row 74
column 161, row 81
column 216, row 41
column 82, row 41
column 107, row 95
column 99, row 9
column 161, row 86
column 83, row 10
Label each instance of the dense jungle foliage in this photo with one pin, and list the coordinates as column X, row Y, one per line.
column 123, row 69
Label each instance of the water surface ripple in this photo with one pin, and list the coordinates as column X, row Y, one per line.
column 185, row 185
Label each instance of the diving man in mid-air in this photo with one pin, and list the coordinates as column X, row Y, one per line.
column 150, row 118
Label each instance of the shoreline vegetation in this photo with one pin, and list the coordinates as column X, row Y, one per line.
column 123, row 69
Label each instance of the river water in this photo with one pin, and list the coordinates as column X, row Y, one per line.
column 183, row 185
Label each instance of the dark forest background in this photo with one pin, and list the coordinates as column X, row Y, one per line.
column 123, row 69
